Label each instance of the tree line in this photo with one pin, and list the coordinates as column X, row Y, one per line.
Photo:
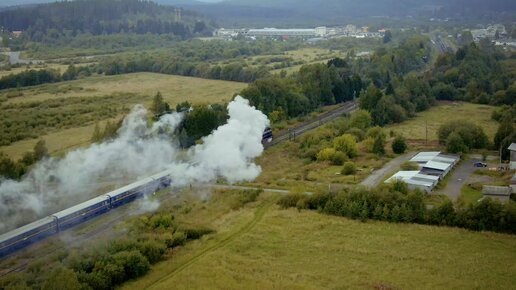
column 396, row 203
column 98, row 17
column 303, row 92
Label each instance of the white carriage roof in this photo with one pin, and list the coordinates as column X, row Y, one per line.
column 25, row 228
column 130, row 186
column 80, row 206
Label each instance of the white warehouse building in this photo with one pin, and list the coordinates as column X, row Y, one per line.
column 414, row 179
column 271, row 32
column 434, row 166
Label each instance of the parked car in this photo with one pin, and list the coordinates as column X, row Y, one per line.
column 480, row 164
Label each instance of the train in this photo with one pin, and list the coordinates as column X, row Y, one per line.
column 267, row 136
column 24, row 236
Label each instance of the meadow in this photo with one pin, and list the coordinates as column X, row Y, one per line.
column 175, row 89
column 415, row 128
column 263, row 247
column 115, row 94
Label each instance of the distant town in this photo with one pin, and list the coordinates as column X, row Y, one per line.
column 320, row 32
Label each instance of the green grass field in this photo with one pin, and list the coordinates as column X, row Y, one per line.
column 263, row 247
column 445, row 112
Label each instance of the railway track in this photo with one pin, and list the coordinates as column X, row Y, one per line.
column 118, row 217
column 291, row 134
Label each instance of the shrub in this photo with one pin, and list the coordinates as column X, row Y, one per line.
column 290, row 200
column 133, row 262
column 339, row 158
column 349, row 168
column 152, row 250
column 326, row 154
column 399, row 145
column 177, row 239
column 455, row 144
column 379, row 145
column 346, row 144
column 196, row 233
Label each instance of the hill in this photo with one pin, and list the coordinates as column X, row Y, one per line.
column 101, row 17
column 332, row 12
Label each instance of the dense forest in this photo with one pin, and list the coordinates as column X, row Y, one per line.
column 65, row 19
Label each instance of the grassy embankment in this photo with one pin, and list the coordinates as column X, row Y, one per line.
column 415, row 129
column 143, row 86
column 263, row 247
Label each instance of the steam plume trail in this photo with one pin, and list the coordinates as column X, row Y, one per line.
column 137, row 152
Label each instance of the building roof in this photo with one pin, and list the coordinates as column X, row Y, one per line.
column 424, row 156
column 437, row 165
column 512, row 147
column 496, row 190
column 412, row 178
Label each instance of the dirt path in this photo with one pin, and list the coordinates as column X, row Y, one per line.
column 378, row 175
column 258, row 215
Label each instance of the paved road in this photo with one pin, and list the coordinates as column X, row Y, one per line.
column 458, row 178
column 378, row 175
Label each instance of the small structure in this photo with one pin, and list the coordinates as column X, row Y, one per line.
column 435, row 163
column 434, row 167
column 424, row 157
column 512, row 148
column 501, row 193
column 414, row 179
column 513, row 183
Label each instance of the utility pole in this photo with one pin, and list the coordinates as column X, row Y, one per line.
column 426, row 132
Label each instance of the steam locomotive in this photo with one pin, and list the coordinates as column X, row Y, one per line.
column 53, row 224
column 267, row 136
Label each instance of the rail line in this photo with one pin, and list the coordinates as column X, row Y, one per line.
column 291, row 134
column 284, row 136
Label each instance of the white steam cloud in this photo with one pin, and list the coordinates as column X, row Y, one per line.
column 139, row 151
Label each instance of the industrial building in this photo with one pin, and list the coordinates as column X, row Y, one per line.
column 414, row 179
column 501, row 193
column 434, row 167
column 274, row 32
column 512, row 149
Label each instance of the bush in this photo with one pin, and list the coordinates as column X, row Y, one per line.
column 379, row 145
column 133, row 263
column 152, row 250
column 346, row 144
column 326, row 154
column 177, row 239
column 196, row 233
column 290, row 200
column 455, row 144
column 338, row 158
column 349, row 168
column 399, row 145
column 472, row 135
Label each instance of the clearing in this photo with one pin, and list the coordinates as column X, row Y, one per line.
column 263, row 247
column 414, row 129
column 175, row 89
